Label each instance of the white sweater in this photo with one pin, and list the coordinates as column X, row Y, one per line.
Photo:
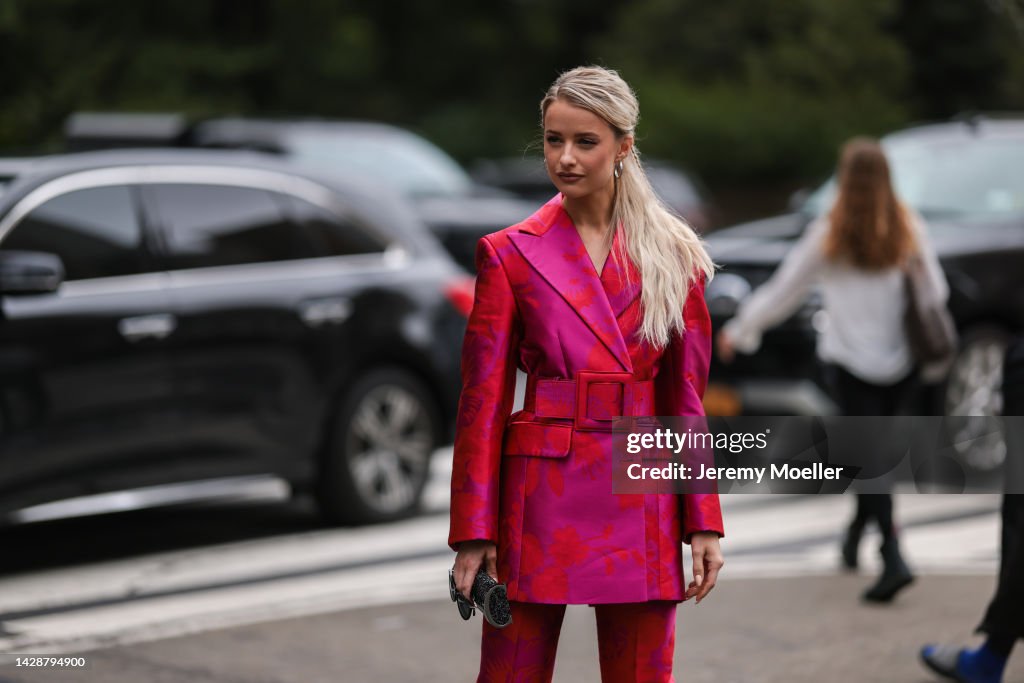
column 863, row 331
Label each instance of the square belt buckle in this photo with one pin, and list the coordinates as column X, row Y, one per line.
column 585, row 378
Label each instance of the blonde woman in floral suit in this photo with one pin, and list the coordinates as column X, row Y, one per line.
column 599, row 298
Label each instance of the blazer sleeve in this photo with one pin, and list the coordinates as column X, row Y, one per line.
column 679, row 388
column 488, row 389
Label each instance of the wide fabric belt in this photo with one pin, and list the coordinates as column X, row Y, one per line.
column 591, row 400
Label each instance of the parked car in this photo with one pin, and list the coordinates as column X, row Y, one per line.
column 174, row 322
column 527, row 178
column 10, row 169
column 967, row 180
column 456, row 208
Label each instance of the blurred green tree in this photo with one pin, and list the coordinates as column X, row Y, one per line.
column 736, row 90
column 746, row 89
column 964, row 56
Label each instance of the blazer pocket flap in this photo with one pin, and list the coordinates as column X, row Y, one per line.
column 538, row 439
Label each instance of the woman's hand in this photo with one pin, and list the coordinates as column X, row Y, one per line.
column 726, row 351
column 707, row 560
column 471, row 555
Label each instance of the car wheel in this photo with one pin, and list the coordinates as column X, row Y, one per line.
column 376, row 460
column 973, row 388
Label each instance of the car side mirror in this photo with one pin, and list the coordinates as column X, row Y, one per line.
column 30, row 272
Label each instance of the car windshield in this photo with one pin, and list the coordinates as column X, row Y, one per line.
column 951, row 178
column 408, row 162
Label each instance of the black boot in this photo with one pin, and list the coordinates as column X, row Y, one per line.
column 895, row 576
column 851, row 542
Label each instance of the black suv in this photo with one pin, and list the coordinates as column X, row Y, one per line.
column 967, row 180
column 173, row 322
column 458, row 210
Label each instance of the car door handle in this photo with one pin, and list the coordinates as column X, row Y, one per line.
column 157, row 326
column 323, row 311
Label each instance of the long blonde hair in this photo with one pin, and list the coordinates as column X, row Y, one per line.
column 667, row 252
column 870, row 228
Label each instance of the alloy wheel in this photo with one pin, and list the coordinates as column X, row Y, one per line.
column 974, row 389
column 388, row 446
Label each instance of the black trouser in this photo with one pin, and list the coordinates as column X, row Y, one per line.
column 1004, row 618
column 1005, row 614
column 857, row 397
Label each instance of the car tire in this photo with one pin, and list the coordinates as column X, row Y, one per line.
column 973, row 388
column 376, row 458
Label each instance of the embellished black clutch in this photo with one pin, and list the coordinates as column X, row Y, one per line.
column 489, row 596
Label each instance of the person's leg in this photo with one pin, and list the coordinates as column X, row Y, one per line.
column 896, row 575
column 870, row 506
column 880, row 509
column 636, row 641
column 856, row 397
column 1004, row 617
column 844, row 391
column 854, row 531
column 523, row 651
column 1005, row 613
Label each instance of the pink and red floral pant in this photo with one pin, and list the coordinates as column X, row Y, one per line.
column 635, row 643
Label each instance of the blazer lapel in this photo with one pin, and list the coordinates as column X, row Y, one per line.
column 620, row 288
column 549, row 242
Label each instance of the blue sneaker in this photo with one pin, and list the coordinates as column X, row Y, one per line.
column 962, row 665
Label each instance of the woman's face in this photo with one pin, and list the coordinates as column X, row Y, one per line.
column 580, row 150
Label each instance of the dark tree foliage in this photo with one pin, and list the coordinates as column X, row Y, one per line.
column 958, row 54
column 737, row 90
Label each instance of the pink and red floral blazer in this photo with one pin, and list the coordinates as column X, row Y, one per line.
column 537, row 486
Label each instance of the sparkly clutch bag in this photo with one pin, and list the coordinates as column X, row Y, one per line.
column 489, row 596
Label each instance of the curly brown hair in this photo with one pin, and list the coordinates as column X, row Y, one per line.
column 870, row 227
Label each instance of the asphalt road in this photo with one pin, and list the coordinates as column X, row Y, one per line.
column 264, row 593
column 756, row 630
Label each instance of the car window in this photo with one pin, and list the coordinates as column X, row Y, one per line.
column 334, row 234
column 954, row 178
column 96, row 232
column 217, row 225
column 407, row 162
column 980, row 178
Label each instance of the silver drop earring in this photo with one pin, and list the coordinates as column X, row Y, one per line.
column 617, row 170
